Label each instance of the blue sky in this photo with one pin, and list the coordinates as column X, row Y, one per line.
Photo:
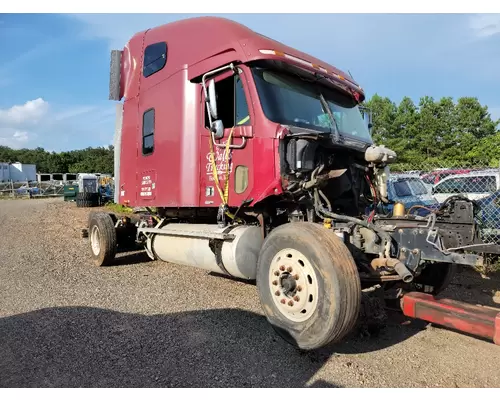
column 54, row 67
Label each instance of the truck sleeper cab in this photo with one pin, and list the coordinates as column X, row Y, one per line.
column 259, row 165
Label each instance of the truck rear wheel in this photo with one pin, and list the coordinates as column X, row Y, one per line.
column 103, row 240
column 308, row 285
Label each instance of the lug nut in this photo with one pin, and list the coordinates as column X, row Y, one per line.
column 289, row 269
column 275, row 283
column 299, row 288
column 290, row 303
column 283, row 301
column 296, row 298
column 296, row 277
column 282, row 268
column 276, row 273
column 277, row 293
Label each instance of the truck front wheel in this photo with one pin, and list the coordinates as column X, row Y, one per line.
column 308, row 284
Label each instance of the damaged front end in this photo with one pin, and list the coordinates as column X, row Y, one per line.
column 420, row 241
column 404, row 249
column 335, row 184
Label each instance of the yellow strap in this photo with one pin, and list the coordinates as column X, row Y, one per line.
column 223, row 196
column 226, row 188
column 214, row 169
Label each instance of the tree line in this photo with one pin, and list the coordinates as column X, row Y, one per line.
column 90, row 160
column 438, row 133
column 433, row 132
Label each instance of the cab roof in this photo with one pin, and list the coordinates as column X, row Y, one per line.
column 208, row 42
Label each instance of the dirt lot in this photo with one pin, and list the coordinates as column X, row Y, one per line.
column 64, row 322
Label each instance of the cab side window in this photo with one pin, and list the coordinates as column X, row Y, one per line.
column 155, row 58
column 148, row 131
column 232, row 105
column 242, row 115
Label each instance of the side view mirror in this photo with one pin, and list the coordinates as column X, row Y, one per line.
column 217, row 128
column 433, row 190
column 212, row 99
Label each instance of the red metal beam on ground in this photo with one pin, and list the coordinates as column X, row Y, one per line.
column 475, row 320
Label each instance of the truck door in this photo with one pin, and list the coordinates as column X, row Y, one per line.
column 233, row 108
column 154, row 141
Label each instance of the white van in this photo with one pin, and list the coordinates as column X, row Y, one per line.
column 474, row 185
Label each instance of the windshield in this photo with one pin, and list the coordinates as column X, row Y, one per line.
column 288, row 99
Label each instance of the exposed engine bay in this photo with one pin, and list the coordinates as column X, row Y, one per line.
column 319, row 174
column 341, row 186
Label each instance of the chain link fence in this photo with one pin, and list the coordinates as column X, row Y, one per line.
column 54, row 188
column 422, row 187
column 31, row 189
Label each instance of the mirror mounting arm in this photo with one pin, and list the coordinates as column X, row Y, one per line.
column 210, row 102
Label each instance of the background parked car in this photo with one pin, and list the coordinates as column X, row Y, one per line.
column 411, row 191
column 488, row 215
column 474, row 185
column 432, row 178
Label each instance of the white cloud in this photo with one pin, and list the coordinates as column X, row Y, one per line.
column 16, row 140
column 21, row 136
column 485, row 25
column 38, row 123
column 28, row 113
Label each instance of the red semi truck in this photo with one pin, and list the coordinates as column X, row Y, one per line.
column 255, row 161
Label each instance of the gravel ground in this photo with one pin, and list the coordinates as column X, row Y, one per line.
column 64, row 322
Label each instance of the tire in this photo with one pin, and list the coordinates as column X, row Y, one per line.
column 328, row 278
column 102, row 237
column 93, row 213
column 86, row 199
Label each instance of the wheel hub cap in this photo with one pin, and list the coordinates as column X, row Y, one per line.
column 94, row 240
column 288, row 283
column 294, row 285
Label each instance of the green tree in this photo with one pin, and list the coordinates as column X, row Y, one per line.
column 100, row 159
column 436, row 133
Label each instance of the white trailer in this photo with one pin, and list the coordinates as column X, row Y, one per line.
column 22, row 172
column 4, row 172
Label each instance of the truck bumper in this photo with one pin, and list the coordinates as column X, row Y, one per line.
column 475, row 320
